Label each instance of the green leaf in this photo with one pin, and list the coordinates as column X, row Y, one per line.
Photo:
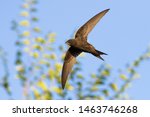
column 106, row 92
column 80, row 76
column 35, row 19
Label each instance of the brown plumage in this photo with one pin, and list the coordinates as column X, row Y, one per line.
column 80, row 44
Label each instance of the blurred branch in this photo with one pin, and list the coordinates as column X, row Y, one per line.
column 132, row 73
column 5, row 78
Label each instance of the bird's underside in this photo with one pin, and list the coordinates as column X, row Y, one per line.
column 80, row 44
column 70, row 60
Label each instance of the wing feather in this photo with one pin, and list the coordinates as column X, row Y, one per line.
column 83, row 32
column 69, row 61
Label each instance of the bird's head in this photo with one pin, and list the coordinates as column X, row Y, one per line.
column 69, row 42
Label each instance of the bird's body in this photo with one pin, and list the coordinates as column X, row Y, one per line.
column 79, row 45
column 84, row 46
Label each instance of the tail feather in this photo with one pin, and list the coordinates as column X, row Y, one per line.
column 99, row 53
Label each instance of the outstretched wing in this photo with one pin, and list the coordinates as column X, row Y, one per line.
column 69, row 61
column 88, row 26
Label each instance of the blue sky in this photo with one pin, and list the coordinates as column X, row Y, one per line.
column 123, row 33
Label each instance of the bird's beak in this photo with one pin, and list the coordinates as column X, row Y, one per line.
column 67, row 42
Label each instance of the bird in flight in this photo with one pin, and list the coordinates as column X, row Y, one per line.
column 79, row 45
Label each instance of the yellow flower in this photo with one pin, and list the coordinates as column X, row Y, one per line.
column 37, row 67
column 69, row 87
column 36, row 93
column 43, row 62
column 51, row 37
column 46, row 96
column 93, row 75
column 26, row 6
column 26, row 33
column 105, row 73
column 53, row 56
column 123, row 77
column 46, row 56
column 24, row 23
column 58, row 66
column 94, row 88
column 114, row 86
column 35, row 54
column 100, row 98
column 43, row 76
column 39, row 40
column 26, row 42
column 147, row 55
column 26, row 49
column 37, row 29
column 42, row 85
column 51, row 73
column 20, row 68
column 24, row 14
column 57, row 90
column 51, row 40
column 38, row 47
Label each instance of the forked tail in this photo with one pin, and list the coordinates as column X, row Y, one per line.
column 99, row 53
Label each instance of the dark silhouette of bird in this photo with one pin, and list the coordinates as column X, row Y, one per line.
column 79, row 45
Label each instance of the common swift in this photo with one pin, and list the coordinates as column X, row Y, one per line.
column 79, row 45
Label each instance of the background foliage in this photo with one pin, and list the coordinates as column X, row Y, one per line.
column 38, row 66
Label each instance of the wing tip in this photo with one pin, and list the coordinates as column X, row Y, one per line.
column 63, row 86
column 63, row 81
column 106, row 10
